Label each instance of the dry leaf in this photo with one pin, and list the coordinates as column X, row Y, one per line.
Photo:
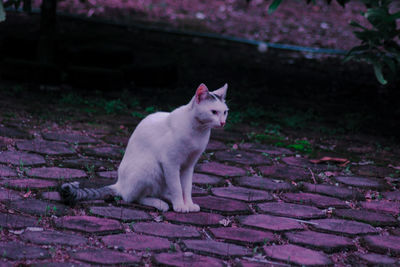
column 343, row 161
column 329, row 174
column 225, row 222
column 27, row 194
column 394, row 167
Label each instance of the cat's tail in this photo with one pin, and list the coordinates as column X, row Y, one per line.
column 71, row 193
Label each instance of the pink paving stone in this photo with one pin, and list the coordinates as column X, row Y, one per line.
column 46, row 147
column 326, row 242
column 197, row 218
column 6, row 171
column 38, row 207
column 271, row 150
column 260, row 263
column 20, row 251
column 361, row 182
column 117, row 140
column 51, row 195
column 382, row 206
column 136, row 242
column 108, row 174
column 120, row 213
column 88, row 224
column 56, row 173
column 29, row 184
column 242, row 235
column 293, row 254
column 214, row 145
column 21, row 158
column 305, row 163
column 282, row 171
column 104, row 152
column 332, row 190
column 394, row 195
column 69, row 137
column 271, row 223
column 264, row 183
column 291, row 210
column 206, row 179
column 222, row 205
column 220, row 169
column 370, row 217
column 241, row 193
column 219, row 249
column 186, row 259
column 13, row 221
column 376, row 259
column 374, row 171
column 242, row 157
column 166, row 230
column 7, row 195
column 53, row 238
column 383, row 244
column 344, row 227
column 104, row 257
column 314, row 199
column 14, row 133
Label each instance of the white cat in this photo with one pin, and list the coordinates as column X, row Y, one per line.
column 161, row 154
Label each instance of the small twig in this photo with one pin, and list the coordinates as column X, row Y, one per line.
column 312, row 175
column 265, row 261
column 306, row 222
column 206, row 234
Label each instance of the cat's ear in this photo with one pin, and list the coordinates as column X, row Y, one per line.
column 201, row 93
column 221, row 92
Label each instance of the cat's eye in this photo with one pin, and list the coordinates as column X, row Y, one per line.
column 214, row 112
column 225, row 112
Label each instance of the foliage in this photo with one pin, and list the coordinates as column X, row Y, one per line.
column 98, row 104
column 378, row 46
column 378, row 43
column 2, row 12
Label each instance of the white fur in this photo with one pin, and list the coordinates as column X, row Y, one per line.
column 163, row 150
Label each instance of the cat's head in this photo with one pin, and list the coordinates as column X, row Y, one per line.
column 210, row 107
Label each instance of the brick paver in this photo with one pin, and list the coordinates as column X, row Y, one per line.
column 261, row 205
column 293, row 254
column 136, row 242
column 21, row 159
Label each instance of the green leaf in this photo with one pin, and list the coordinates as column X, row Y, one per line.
column 274, row 6
column 395, row 16
column 356, row 52
column 2, row 12
column 378, row 73
column 356, row 24
column 391, row 64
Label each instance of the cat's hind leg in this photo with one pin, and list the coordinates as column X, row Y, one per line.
column 154, row 202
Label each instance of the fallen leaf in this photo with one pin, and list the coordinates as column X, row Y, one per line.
column 343, row 161
column 225, row 222
column 158, row 219
column 394, row 167
column 27, row 194
column 329, row 174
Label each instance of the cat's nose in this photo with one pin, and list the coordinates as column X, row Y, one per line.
column 222, row 123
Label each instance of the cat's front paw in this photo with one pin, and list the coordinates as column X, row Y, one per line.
column 194, row 207
column 181, row 207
